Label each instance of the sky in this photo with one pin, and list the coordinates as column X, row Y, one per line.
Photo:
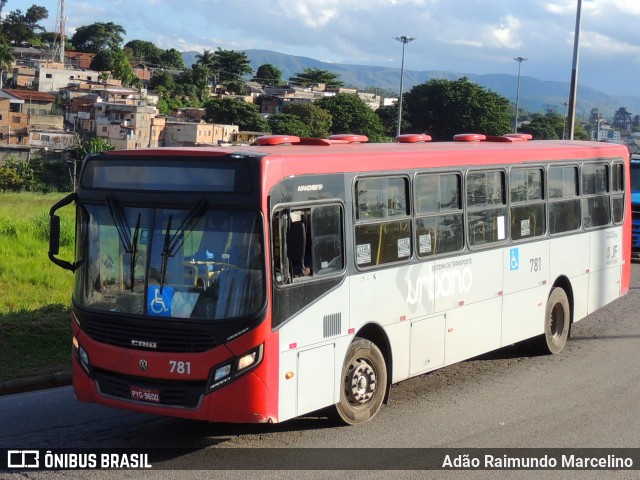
column 460, row 36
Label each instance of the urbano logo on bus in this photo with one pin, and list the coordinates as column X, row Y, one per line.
column 440, row 282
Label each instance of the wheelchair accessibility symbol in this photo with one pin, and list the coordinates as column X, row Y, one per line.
column 514, row 259
column 159, row 301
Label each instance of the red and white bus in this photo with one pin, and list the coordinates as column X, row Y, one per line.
column 261, row 283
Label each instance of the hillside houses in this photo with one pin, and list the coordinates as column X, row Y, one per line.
column 49, row 104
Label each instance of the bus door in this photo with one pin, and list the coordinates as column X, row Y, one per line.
column 310, row 303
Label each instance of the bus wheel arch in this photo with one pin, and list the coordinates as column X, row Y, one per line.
column 365, row 377
column 558, row 318
column 564, row 283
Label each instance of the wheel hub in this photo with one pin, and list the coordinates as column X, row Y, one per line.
column 360, row 382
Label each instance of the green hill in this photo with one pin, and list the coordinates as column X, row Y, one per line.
column 535, row 95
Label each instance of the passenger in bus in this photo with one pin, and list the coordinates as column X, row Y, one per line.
column 296, row 246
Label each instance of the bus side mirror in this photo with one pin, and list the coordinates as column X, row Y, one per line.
column 54, row 234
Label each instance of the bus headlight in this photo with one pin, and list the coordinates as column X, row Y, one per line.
column 222, row 372
column 231, row 370
column 82, row 355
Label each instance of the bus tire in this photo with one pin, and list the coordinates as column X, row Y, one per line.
column 557, row 319
column 363, row 383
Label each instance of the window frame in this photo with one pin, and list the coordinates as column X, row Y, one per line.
column 383, row 222
column 519, row 204
column 485, row 207
column 618, row 194
column 551, row 201
column 287, row 280
column 419, row 215
column 586, row 198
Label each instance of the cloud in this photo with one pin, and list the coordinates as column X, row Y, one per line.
column 606, row 46
column 505, row 35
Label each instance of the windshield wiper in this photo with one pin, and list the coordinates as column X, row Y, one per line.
column 120, row 220
column 122, row 226
column 134, row 252
column 173, row 243
column 165, row 253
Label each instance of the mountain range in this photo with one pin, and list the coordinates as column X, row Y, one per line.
column 535, row 95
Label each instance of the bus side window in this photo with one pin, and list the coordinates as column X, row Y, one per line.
column 439, row 224
column 527, row 203
column 326, row 240
column 383, row 230
column 564, row 203
column 486, row 204
column 617, row 192
column 313, row 243
column 596, row 210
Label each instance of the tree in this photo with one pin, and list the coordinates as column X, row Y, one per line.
column 171, row 58
column 142, row 51
column 206, row 59
column 84, row 147
column 231, row 65
column 163, row 80
column 551, row 127
column 122, row 69
column 21, row 28
column 444, row 108
column 314, row 76
column 98, row 36
column 6, row 60
column 288, row 124
column 16, row 176
column 193, row 85
column 231, row 111
column 351, row 115
column 102, row 62
column 317, row 120
column 148, row 52
column 268, row 74
column 543, row 127
column 389, row 117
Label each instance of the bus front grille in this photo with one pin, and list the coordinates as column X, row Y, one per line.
column 162, row 339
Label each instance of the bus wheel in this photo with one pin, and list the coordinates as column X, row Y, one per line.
column 556, row 323
column 364, row 383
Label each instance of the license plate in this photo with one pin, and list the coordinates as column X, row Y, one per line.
column 145, row 394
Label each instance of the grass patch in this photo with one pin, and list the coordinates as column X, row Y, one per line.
column 35, row 331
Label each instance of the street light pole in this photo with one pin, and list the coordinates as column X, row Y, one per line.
column 404, row 40
column 519, row 60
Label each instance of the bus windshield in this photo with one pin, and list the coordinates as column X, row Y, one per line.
column 186, row 263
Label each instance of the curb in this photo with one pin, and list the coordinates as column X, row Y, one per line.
column 21, row 385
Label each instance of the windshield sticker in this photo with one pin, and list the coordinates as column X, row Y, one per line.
column 364, row 253
column 159, row 301
column 424, row 243
column 514, row 259
column 500, row 221
column 404, row 247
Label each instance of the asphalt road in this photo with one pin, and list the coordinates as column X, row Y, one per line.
column 586, row 397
